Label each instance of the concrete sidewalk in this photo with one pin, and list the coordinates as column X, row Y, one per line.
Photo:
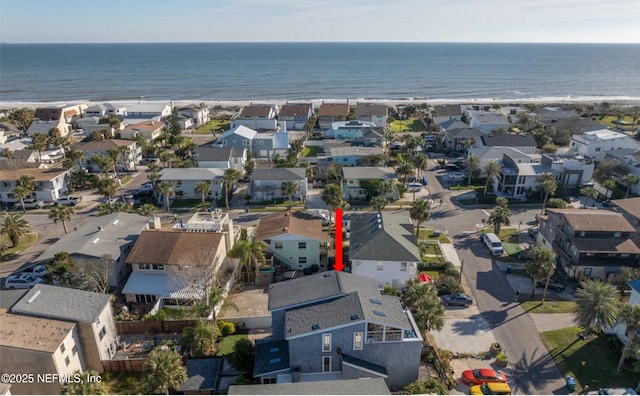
column 450, row 254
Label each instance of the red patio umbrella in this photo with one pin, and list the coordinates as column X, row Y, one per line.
column 424, row 278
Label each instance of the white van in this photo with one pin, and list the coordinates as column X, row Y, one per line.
column 493, row 243
column 417, row 187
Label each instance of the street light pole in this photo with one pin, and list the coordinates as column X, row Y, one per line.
column 461, row 272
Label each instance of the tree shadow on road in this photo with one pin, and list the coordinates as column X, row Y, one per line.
column 536, row 373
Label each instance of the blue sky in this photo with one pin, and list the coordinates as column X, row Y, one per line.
column 73, row 21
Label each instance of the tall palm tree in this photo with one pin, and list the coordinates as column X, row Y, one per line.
column 630, row 315
column 404, row 170
column 422, row 299
column 115, row 155
column 549, row 185
column 420, row 162
column 103, row 162
column 490, row 170
column 78, row 156
column 229, row 178
column 14, row 226
column 166, row 189
column 332, row 196
column 108, row 187
column 630, row 180
column 39, row 143
column 203, row 188
column 251, row 255
column 597, row 304
column 472, row 164
column 199, row 339
column 419, row 213
column 166, row 371
column 499, row 216
column 540, row 266
column 61, row 213
column 289, row 188
column 25, row 186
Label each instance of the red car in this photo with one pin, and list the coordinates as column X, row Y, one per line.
column 482, row 376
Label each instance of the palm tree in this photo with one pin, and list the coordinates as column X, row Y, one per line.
column 630, row 315
column 203, row 188
column 78, row 156
column 472, row 165
column 610, row 185
column 166, row 189
column 251, row 255
column 14, row 226
column 490, row 170
column 39, row 143
column 630, row 180
column 25, row 186
column 332, row 196
column 147, row 209
column 84, row 386
column 549, row 185
column 590, row 192
column 378, row 202
column 229, row 178
column 499, row 216
column 108, row 187
column 289, row 188
column 61, row 213
column 540, row 266
column 420, row 162
column 199, row 339
column 419, row 213
column 404, row 170
column 597, row 304
column 115, row 155
column 165, row 369
column 422, row 299
column 103, row 162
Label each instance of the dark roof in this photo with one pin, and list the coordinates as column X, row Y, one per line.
column 508, row 140
column 383, row 236
column 364, row 364
column 317, row 287
column 208, row 153
column 361, row 386
column 448, row 110
column 295, row 110
column 256, row 110
column 464, row 132
column 291, row 223
column 202, row 374
column 453, row 123
column 175, row 248
column 271, row 356
column 278, row 174
column 10, row 297
column 603, row 245
column 333, row 109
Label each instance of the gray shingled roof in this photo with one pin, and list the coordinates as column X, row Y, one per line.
column 390, row 239
column 202, row 374
column 508, row 140
column 191, row 174
column 209, row 153
column 57, row 302
column 354, row 151
column 278, row 174
column 364, row 364
column 361, row 386
column 464, row 133
column 369, row 172
column 271, row 356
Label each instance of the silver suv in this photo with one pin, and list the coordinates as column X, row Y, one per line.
column 31, row 203
column 69, row 200
column 21, row 282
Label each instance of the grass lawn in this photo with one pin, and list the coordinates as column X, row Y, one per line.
column 215, row 124
column 410, row 125
column 24, row 243
column 431, row 249
column 225, row 346
column 600, row 360
column 310, row 151
column 428, row 234
column 548, row 307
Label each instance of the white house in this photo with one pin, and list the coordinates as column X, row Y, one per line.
column 376, row 113
column 185, row 180
column 50, row 183
column 130, row 155
column 208, row 156
column 148, row 110
column 257, row 116
column 295, row 115
column 634, row 299
column 595, row 144
column 266, row 183
column 487, row 121
column 199, row 113
column 383, row 247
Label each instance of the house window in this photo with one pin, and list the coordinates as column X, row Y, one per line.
column 521, row 179
column 245, row 142
column 74, row 350
column 67, row 360
column 302, row 260
column 326, row 343
column 587, row 271
column 261, row 142
column 597, row 148
column 278, row 245
column 62, row 348
column 326, row 364
column 403, row 266
column 302, row 245
column 357, row 341
column 102, row 333
column 270, row 381
column 223, row 142
column 345, row 160
column 380, row 266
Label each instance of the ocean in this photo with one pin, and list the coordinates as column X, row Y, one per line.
column 456, row 72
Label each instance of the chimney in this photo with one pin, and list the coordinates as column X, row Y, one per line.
column 155, row 223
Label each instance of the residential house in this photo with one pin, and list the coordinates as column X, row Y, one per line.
column 202, row 376
column 46, row 126
column 453, row 123
column 266, row 183
column 487, row 121
column 51, row 183
column 174, row 268
column 211, row 156
column 556, row 113
column 630, row 209
column 185, row 181
column 256, row 116
column 375, row 113
column 268, row 144
column 295, row 115
column 199, row 113
column 360, row 386
column 351, row 130
column 103, row 241
column 91, row 312
column 21, row 158
column 130, row 152
column 447, row 112
column 185, row 122
column 595, row 144
column 149, row 129
column 295, row 239
column 357, row 180
column 463, row 139
column 60, row 117
column 630, row 158
column 328, row 113
column 337, row 326
column 383, row 247
column 147, row 111
column 574, row 125
column 590, row 244
column 497, row 153
column 238, row 137
column 8, row 131
column 525, row 143
column 350, row 156
column 105, row 109
column 572, row 171
column 91, row 124
column 38, row 347
column 634, row 299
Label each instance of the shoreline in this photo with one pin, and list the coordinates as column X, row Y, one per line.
column 557, row 101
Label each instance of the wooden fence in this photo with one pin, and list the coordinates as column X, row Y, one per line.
column 154, row 326
column 135, row 364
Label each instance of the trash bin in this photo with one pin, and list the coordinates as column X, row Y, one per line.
column 571, row 383
column 246, row 210
column 509, row 269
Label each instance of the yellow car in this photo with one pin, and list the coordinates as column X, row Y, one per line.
column 491, row 388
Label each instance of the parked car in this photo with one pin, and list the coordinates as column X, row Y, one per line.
column 482, row 376
column 460, row 299
column 491, row 388
column 39, row 271
column 21, row 282
column 456, row 175
column 324, row 215
column 613, row 391
column 553, row 284
column 69, row 200
column 108, row 200
column 30, row 203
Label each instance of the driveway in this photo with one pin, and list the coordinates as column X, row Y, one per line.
column 464, row 331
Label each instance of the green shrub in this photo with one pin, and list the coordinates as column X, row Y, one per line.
column 450, row 269
column 226, row 328
column 428, row 386
column 449, row 285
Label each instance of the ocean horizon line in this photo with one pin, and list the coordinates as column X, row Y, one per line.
column 326, row 42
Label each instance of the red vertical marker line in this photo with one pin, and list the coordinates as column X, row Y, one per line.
column 338, row 265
